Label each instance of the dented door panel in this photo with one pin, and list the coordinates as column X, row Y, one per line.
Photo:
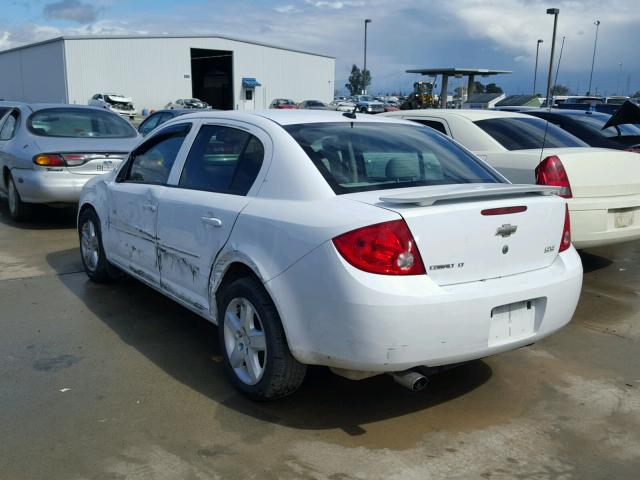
column 133, row 213
column 193, row 226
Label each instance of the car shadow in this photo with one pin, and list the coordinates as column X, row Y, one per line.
column 592, row 262
column 185, row 346
column 42, row 217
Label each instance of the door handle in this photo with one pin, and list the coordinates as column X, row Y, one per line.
column 150, row 207
column 216, row 222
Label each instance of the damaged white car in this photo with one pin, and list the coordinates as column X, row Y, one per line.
column 365, row 244
column 116, row 103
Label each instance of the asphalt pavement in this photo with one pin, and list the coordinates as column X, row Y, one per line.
column 117, row 382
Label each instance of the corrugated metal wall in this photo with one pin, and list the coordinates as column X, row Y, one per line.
column 34, row 74
column 153, row 71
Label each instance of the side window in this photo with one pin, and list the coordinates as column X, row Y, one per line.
column 222, row 159
column 152, row 161
column 9, row 126
column 149, row 124
column 439, row 126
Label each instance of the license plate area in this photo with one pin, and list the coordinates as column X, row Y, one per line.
column 515, row 321
column 624, row 217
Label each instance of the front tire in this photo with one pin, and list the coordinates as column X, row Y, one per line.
column 94, row 260
column 17, row 208
column 257, row 358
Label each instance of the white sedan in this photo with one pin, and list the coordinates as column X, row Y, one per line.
column 602, row 186
column 366, row 244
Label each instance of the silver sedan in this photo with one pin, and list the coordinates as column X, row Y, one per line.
column 49, row 151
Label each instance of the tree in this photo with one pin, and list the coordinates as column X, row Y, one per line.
column 560, row 90
column 357, row 81
column 493, row 88
column 636, row 95
column 478, row 87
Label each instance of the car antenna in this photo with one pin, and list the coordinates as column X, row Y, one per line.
column 351, row 115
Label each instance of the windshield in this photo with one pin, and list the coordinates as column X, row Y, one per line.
column 596, row 122
column 79, row 123
column 366, row 98
column 515, row 133
column 314, row 103
column 284, row 102
column 358, row 156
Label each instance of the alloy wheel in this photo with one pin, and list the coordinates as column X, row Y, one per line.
column 245, row 341
column 89, row 245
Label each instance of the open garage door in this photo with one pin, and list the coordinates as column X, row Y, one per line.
column 212, row 77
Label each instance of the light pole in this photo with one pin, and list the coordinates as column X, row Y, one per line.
column 535, row 73
column 618, row 82
column 554, row 12
column 364, row 70
column 593, row 60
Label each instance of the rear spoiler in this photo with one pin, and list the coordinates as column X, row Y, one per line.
column 629, row 112
column 431, row 195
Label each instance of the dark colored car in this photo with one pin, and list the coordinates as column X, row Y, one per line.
column 159, row 117
column 588, row 127
column 312, row 105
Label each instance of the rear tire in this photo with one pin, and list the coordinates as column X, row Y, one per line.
column 17, row 208
column 94, row 260
column 253, row 344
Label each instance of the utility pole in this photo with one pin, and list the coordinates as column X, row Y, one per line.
column 364, row 71
column 593, row 60
column 535, row 73
column 554, row 12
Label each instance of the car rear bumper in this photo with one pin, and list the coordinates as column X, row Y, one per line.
column 43, row 186
column 604, row 221
column 336, row 315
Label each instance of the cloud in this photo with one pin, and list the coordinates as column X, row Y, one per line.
column 334, row 5
column 71, row 10
column 286, row 9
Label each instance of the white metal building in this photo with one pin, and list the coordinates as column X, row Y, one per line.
column 228, row 73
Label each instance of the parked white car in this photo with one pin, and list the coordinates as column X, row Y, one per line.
column 365, row 244
column 602, row 186
column 116, row 103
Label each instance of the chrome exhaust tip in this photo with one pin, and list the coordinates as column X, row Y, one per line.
column 410, row 379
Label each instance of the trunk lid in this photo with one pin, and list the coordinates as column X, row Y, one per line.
column 458, row 243
column 600, row 172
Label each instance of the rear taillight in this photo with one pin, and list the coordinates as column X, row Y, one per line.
column 385, row 248
column 49, row 160
column 634, row 149
column 62, row 160
column 551, row 172
column 565, row 241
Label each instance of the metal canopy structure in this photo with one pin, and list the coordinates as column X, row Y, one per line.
column 457, row 72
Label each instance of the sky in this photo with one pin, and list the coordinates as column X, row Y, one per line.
column 403, row 34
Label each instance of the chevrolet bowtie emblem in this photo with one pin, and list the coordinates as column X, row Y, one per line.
column 506, row 230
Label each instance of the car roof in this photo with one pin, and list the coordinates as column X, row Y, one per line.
column 572, row 112
column 292, row 117
column 39, row 106
column 469, row 114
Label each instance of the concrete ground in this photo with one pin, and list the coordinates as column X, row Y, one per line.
column 117, row 382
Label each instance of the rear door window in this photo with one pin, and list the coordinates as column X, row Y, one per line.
column 9, row 126
column 515, row 133
column 436, row 125
column 222, row 159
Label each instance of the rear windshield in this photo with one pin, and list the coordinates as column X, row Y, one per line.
column 515, row 133
column 79, row 123
column 358, row 156
column 596, row 122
